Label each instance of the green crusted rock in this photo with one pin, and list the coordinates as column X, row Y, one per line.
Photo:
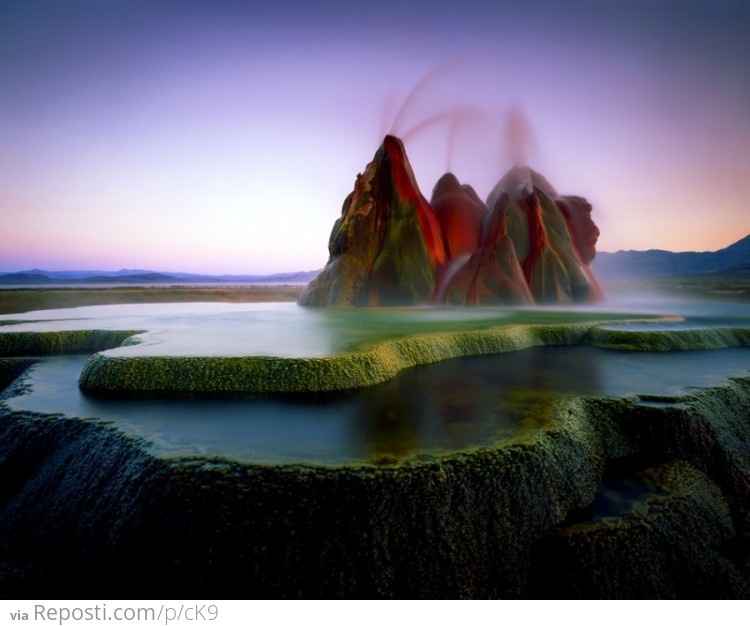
column 387, row 247
column 56, row 342
column 374, row 364
column 666, row 340
column 558, row 274
column 261, row 374
column 492, row 522
column 10, row 369
column 668, row 545
column 493, row 274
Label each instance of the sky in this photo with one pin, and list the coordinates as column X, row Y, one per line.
column 223, row 137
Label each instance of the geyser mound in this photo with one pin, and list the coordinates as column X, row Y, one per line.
column 391, row 247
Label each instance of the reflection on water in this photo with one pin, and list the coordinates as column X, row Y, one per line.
column 626, row 496
column 268, row 328
column 452, row 405
column 285, row 329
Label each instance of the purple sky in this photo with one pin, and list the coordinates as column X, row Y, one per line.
column 217, row 137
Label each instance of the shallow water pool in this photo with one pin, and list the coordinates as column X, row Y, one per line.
column 453, row 405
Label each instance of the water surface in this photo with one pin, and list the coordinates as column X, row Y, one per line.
column 280, row 329
column 453, row 405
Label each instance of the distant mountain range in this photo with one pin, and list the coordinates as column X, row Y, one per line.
column 731, row 261
column 139, row 277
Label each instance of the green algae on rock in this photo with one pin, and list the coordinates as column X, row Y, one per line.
column 664, row 340
column 80, row 497
column 115, row 374
column 55, row 342
column 12, row 368
column 670, row 545
column 386, row 248
column 376, row 363
column 82, row 505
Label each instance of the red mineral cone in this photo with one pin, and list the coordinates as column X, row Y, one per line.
column 461, row 214
column 391, row 247
column 387, row 247
column 554, row 250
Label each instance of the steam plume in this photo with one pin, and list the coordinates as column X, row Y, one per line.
column 518, row 135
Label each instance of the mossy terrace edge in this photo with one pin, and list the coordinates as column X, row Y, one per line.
column 371, row 365
column 265, row 374
column 481, row 523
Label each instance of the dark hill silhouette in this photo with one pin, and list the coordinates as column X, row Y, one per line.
column 632, row 263
column 134, row 277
